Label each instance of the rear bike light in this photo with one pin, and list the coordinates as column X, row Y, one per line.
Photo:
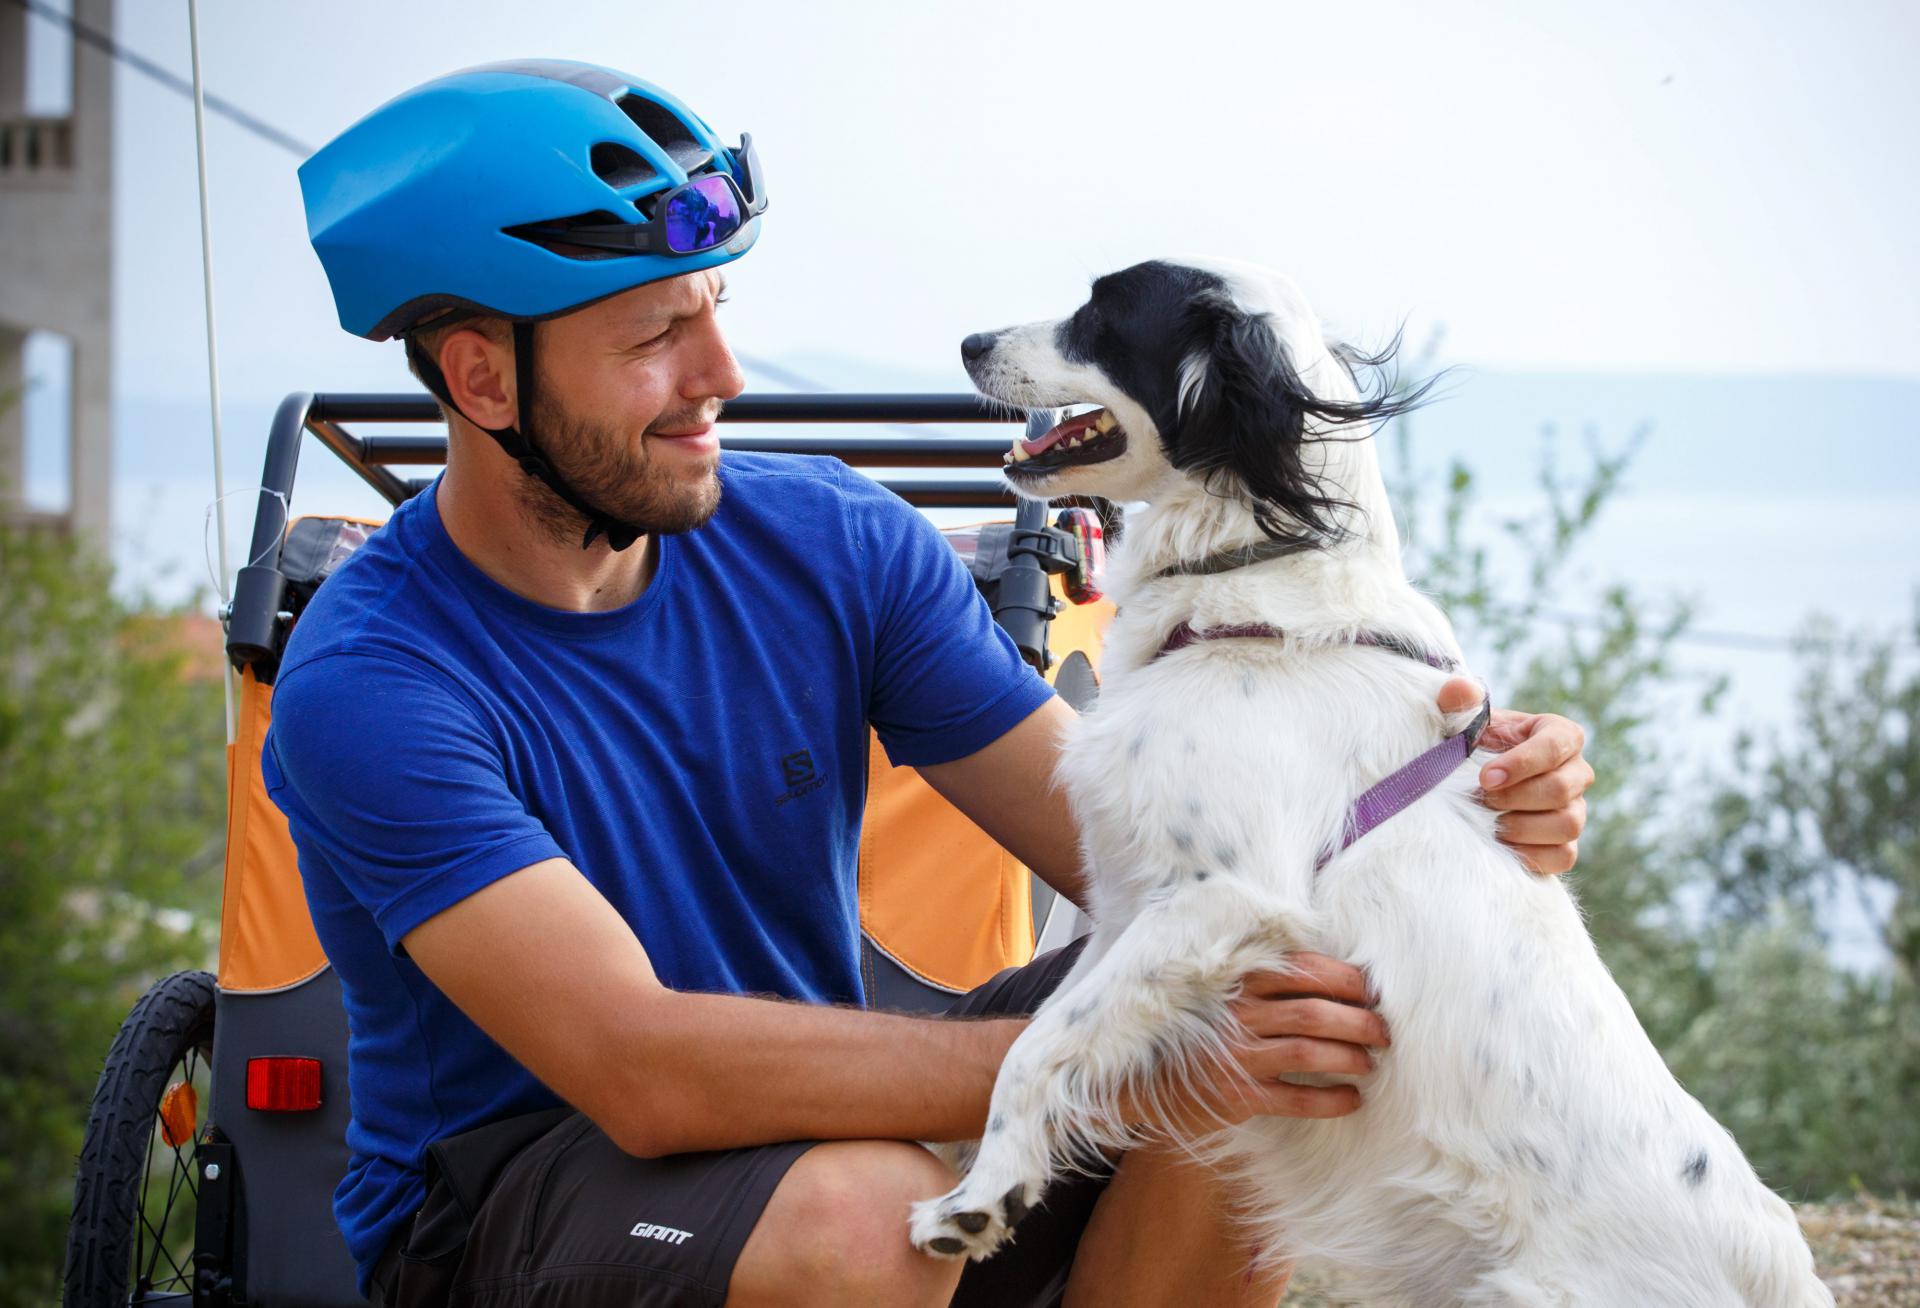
column 1084, row 526
column 283, row 1085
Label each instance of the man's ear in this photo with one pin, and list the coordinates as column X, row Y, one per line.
column 480, row 376
column 1242, row 414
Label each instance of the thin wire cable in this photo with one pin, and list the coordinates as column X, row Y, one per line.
column 100, row 41
column 213, row 355
column 206, row 529
column 1721, row 638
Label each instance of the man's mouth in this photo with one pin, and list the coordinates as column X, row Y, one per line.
column 1092, row 436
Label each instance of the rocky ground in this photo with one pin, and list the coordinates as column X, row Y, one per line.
column 1868, row 1251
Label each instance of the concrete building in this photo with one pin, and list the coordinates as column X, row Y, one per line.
column 56, row 248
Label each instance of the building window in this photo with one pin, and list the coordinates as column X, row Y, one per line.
column 49, row 79
column 46, row 404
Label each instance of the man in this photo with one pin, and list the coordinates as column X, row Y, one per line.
column 523, row 738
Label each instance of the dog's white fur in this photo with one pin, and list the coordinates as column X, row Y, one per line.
column 1521, row 1142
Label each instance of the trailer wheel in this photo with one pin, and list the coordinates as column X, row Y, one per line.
column 134, row 1196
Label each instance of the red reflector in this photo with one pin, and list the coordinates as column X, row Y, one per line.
column 283, row 1085
column 1082, row 581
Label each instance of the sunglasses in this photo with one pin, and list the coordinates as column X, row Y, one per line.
column 695, row 216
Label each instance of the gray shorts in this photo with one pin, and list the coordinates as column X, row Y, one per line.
column 545, row 1211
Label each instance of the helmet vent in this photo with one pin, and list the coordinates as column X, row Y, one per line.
column 618, row 166
column 550, row 235
column 666, row 129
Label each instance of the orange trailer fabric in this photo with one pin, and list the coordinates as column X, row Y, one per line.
column 937, row 895
column 266, row 937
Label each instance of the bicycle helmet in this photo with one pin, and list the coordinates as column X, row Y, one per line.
column 522, row 190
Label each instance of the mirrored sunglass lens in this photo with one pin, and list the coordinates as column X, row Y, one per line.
column 702, row 216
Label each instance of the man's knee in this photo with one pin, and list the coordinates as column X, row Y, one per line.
column 835, row 1231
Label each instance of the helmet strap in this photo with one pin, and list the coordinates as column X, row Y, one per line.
column 520, row 447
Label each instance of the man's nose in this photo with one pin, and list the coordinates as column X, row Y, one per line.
column 719, row 372
column 975, row 346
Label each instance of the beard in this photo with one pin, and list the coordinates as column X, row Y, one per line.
column 613, row 473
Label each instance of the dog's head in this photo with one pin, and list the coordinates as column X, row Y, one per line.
column 1210, row 370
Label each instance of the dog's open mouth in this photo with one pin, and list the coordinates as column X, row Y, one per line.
column 1093, row 436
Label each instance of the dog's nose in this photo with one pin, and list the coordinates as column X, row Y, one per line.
column 975, row 346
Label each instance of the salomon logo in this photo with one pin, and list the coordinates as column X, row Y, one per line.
column 797, row 772
column 665, row 1234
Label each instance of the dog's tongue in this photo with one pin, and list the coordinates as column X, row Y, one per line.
column 1079, row 422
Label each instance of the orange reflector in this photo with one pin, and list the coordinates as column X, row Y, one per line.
column 283, row 1085
column 179, row 1112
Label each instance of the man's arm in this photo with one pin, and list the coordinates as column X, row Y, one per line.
column 1010, row 791
column 543, row 964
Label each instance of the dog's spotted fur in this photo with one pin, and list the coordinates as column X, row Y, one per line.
column 1521, row 1142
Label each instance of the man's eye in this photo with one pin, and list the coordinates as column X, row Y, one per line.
column 653, row 340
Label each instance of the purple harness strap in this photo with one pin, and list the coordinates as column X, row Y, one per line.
column 1400, row 790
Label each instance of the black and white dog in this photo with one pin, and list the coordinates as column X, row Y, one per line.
column 1521, row 1142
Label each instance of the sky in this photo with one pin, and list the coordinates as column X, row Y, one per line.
column 1691, row 220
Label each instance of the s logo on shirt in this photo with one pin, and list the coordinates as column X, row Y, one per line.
column 798, row 775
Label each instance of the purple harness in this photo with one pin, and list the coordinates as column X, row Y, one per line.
column 1398, row 791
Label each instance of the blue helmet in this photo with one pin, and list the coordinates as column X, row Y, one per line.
column 525, row 190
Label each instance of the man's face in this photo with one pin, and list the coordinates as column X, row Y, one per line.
column 626, row 397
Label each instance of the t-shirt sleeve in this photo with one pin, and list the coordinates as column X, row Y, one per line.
column 946, row 680
column 390, row 781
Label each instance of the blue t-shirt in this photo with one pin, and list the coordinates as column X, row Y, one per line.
column 699, row 755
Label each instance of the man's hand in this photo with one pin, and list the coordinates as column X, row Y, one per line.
column 1315, row 1020
column 1536, row 784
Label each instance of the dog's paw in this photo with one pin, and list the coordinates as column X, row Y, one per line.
column 959, row 1225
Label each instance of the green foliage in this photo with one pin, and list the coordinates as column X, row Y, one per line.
column 1835, row 810
column 1813, row 1070
column 111, row 808
column 1832, row 811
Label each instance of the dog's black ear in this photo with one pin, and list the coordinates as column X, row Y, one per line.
column 1242, row 413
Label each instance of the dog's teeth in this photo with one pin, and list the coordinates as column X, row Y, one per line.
column 1018, row 454
column 1105, row 422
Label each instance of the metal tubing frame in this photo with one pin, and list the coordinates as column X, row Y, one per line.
column 253, row 629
